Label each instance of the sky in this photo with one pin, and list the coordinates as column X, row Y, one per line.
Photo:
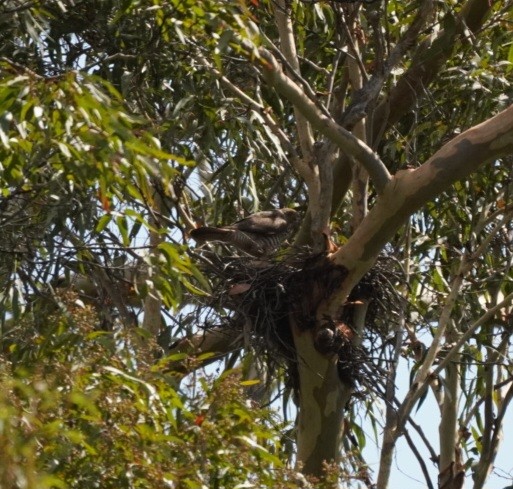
column 406, row 473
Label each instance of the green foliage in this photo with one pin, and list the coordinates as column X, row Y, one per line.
column 76, row 168
column 73, row 129
column 77, row 409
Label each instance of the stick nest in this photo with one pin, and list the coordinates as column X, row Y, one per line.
column 260, row 297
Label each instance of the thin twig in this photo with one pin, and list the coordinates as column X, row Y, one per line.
column 424, row 438
column 419, row 458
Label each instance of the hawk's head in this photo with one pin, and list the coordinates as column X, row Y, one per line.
column 291, row 216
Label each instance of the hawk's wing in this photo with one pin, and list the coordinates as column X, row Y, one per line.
column 258, row 234
column 265, row 222
column 252, row 243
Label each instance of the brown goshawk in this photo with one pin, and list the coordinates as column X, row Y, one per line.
column 259, row 234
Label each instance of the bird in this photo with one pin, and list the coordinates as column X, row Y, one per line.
column 259, row 234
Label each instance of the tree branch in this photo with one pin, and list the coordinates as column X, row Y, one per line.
column 498, row 423
column 288, row 46
column 371, row 88
column 426, row 64
column 420, row 459
column 348, row 143
column 409, row 190
column 471, row 330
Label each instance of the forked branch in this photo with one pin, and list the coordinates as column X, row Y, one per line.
column 347, row 142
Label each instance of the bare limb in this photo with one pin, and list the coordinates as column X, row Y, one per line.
column 370, row 90
column 360, row 175
column 499, row 420
column 295, row 75
column 424, row 438
column 348, row 143
column 420, row 459
column 288, row 46
column 20, row 68
column 448, row 427
column 354, row 52
column 321, row 194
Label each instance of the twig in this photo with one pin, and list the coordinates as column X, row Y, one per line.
column 471, row 330
column 424, row 438
column 21, row 68
column 419, row 458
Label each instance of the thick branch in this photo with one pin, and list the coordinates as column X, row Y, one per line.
column 360, row 175
column 409, row 190
column 448, row 427
column 341, row 183
column 319, row 205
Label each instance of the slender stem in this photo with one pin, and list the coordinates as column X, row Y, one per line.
column 288, row 46
column 420, row 459
column 471, row 330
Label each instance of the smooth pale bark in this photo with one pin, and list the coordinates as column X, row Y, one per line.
column 451, row 472
column 409, row 190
